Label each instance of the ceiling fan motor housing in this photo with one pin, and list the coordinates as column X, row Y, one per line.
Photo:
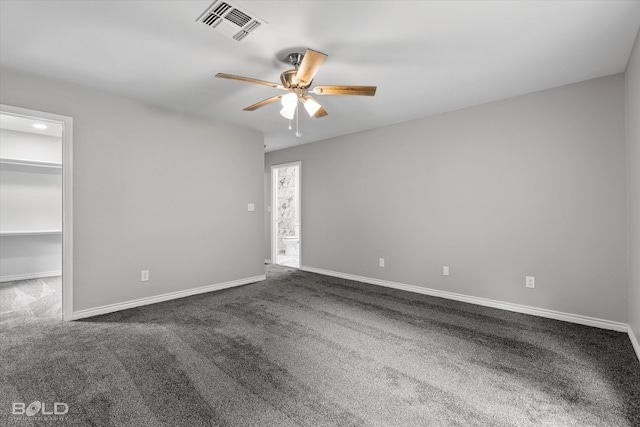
column 288, row 79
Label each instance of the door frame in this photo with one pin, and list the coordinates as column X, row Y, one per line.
column 67, row 197
column 274, row 211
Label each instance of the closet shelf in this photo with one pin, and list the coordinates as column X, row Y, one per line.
column 29, row 232
column 32, row 163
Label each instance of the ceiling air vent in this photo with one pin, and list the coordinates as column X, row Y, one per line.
column 230, row 20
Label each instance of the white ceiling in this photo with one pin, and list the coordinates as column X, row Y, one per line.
column 426, row 57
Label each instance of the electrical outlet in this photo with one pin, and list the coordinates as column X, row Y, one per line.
column 144, row 275
column 445, row 270
column 381, row 262
column 530, row 282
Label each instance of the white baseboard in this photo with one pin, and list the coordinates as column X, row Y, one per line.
column 30, row 276
column 161, row 298
column 541, row 312
column 634, row 342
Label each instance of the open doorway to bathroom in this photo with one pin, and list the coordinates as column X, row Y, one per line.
column 286, row 238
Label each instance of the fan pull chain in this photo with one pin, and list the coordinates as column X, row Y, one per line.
column 298, row 134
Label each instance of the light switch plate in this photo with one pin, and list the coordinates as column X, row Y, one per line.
column 251, row 207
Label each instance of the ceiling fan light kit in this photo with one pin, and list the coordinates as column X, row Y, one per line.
column 289, row 102
column 297, row 82
column 311, row 105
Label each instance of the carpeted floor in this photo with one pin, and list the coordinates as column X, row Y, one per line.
column 307, row 350
column 33, row 299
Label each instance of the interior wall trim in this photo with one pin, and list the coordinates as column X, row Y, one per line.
column 517, row 308
column 634, row 342
column 81, row 314
column 31, row 276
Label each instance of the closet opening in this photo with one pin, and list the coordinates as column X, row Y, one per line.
column 34, row 207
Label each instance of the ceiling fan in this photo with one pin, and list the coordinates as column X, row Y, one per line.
column 297, row 82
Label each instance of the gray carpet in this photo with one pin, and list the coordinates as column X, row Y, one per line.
column 308, row 350
column 35, row 298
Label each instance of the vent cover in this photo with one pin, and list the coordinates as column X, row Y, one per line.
column 230, row 20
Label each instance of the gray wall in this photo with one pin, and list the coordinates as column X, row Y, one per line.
column 152, row 190
column 30, row 256
column 30, row 146
column 532, row 185
column 633, row 156
column 31, row 197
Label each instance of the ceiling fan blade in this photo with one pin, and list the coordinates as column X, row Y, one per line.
column 309, row 67
column 263, row 103
column 249, row 80
column 345, row 90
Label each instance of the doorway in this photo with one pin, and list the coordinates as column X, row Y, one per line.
column 35, row 229
column 286, row 236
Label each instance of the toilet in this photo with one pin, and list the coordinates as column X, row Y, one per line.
column 290, row 245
